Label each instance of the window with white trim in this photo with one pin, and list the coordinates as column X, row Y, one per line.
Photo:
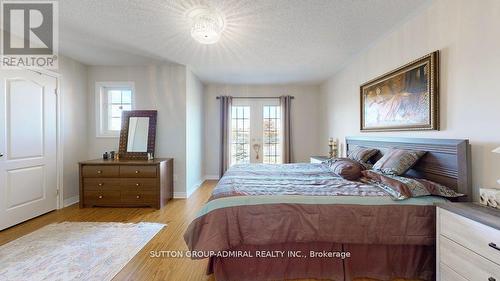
column 112, row 98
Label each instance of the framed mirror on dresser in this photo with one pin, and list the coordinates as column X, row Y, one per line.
column 134, row 179
column 138, row 134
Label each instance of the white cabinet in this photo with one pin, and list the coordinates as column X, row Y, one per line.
column 467, row 249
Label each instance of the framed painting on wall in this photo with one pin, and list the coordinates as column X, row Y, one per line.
column 404, row 99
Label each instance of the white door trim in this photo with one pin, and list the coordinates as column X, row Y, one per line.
column 59, row 145
column 60, row 148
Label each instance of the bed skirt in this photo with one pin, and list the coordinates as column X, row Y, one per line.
column 379, row 262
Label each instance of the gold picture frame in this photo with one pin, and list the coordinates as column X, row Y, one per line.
column 405, row 99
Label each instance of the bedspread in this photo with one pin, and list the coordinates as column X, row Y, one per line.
column 305, row 203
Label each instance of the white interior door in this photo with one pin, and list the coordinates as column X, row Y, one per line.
column 28, row 145
column 256, row 131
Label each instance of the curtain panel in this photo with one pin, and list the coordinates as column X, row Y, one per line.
column 286, row 125
column 225, row 133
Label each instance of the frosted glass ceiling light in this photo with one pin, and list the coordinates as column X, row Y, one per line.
column 206, row 25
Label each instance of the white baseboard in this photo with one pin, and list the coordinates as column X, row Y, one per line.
column 70, row 201
column 211, row 177
column 180, row 195
column 193, row 189
column 184, row 195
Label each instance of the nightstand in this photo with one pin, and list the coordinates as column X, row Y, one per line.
column 318, row 159
column 467, row 242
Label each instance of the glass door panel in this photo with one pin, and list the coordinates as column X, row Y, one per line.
column 256, row 131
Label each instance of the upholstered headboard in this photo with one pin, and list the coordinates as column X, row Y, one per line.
column 447, row 161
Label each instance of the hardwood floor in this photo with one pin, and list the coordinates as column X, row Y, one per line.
column 177, row 215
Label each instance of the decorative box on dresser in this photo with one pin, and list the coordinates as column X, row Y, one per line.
column 468, row 242
column 126, row 183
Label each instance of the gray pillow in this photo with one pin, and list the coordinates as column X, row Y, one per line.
column 362, row 154
column 397, row 161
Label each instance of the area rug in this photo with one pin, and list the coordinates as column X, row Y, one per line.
column 74, row 251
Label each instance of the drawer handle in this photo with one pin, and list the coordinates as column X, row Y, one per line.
column 491, row 279
column 137, row 184
column 100, row 196
column 136, row 172
column 99, row 172
column 138, row 196
column 494, row 246
column 99, row 184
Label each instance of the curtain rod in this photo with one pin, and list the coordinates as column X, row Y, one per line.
column 257, row 97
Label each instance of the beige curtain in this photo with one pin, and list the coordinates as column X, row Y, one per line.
column 225, row 133
column 286, row 124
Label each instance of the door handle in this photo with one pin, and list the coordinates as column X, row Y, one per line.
column 1, row 155
column 494, row 246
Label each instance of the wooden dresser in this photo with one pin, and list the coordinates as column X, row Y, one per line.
column 468, row 242
column 126, row 183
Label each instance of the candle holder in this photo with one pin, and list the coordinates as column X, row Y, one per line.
column 332, row 145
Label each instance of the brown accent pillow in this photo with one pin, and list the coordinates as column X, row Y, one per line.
column 346, row 168
column 403, row 187
column 362, row 154
column 397, row 189
column 397, row 161
column 435, row 188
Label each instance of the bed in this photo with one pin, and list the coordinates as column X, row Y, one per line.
column 276, row 222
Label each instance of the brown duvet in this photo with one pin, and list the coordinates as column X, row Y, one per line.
column 304, row 208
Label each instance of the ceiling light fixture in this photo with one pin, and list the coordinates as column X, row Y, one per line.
column 206, row 25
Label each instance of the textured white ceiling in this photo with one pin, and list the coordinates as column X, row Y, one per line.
column 265, row 41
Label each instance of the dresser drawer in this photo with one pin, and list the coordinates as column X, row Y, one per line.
column 447, row 274
column 101, row 184
column 145, row 197
column 102, row 171
column 470, row 234
column 126, row 183
column 138, row 171
column 135, row 184
column 101, row 198
column 465, row 262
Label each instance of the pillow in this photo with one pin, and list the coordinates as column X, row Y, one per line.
column 365, row 165
column 362, row 154
column 346, row 168
column 403, row 187
column 437, row 189
column 397, row 161
column 398, row 190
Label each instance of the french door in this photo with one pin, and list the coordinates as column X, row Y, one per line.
column 28, row 146
column 256, row 131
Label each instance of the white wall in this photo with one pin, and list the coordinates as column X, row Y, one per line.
column 73, row 98
column 468, row 35
column 161, row 88
column 305, row 118
column 195, row 137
